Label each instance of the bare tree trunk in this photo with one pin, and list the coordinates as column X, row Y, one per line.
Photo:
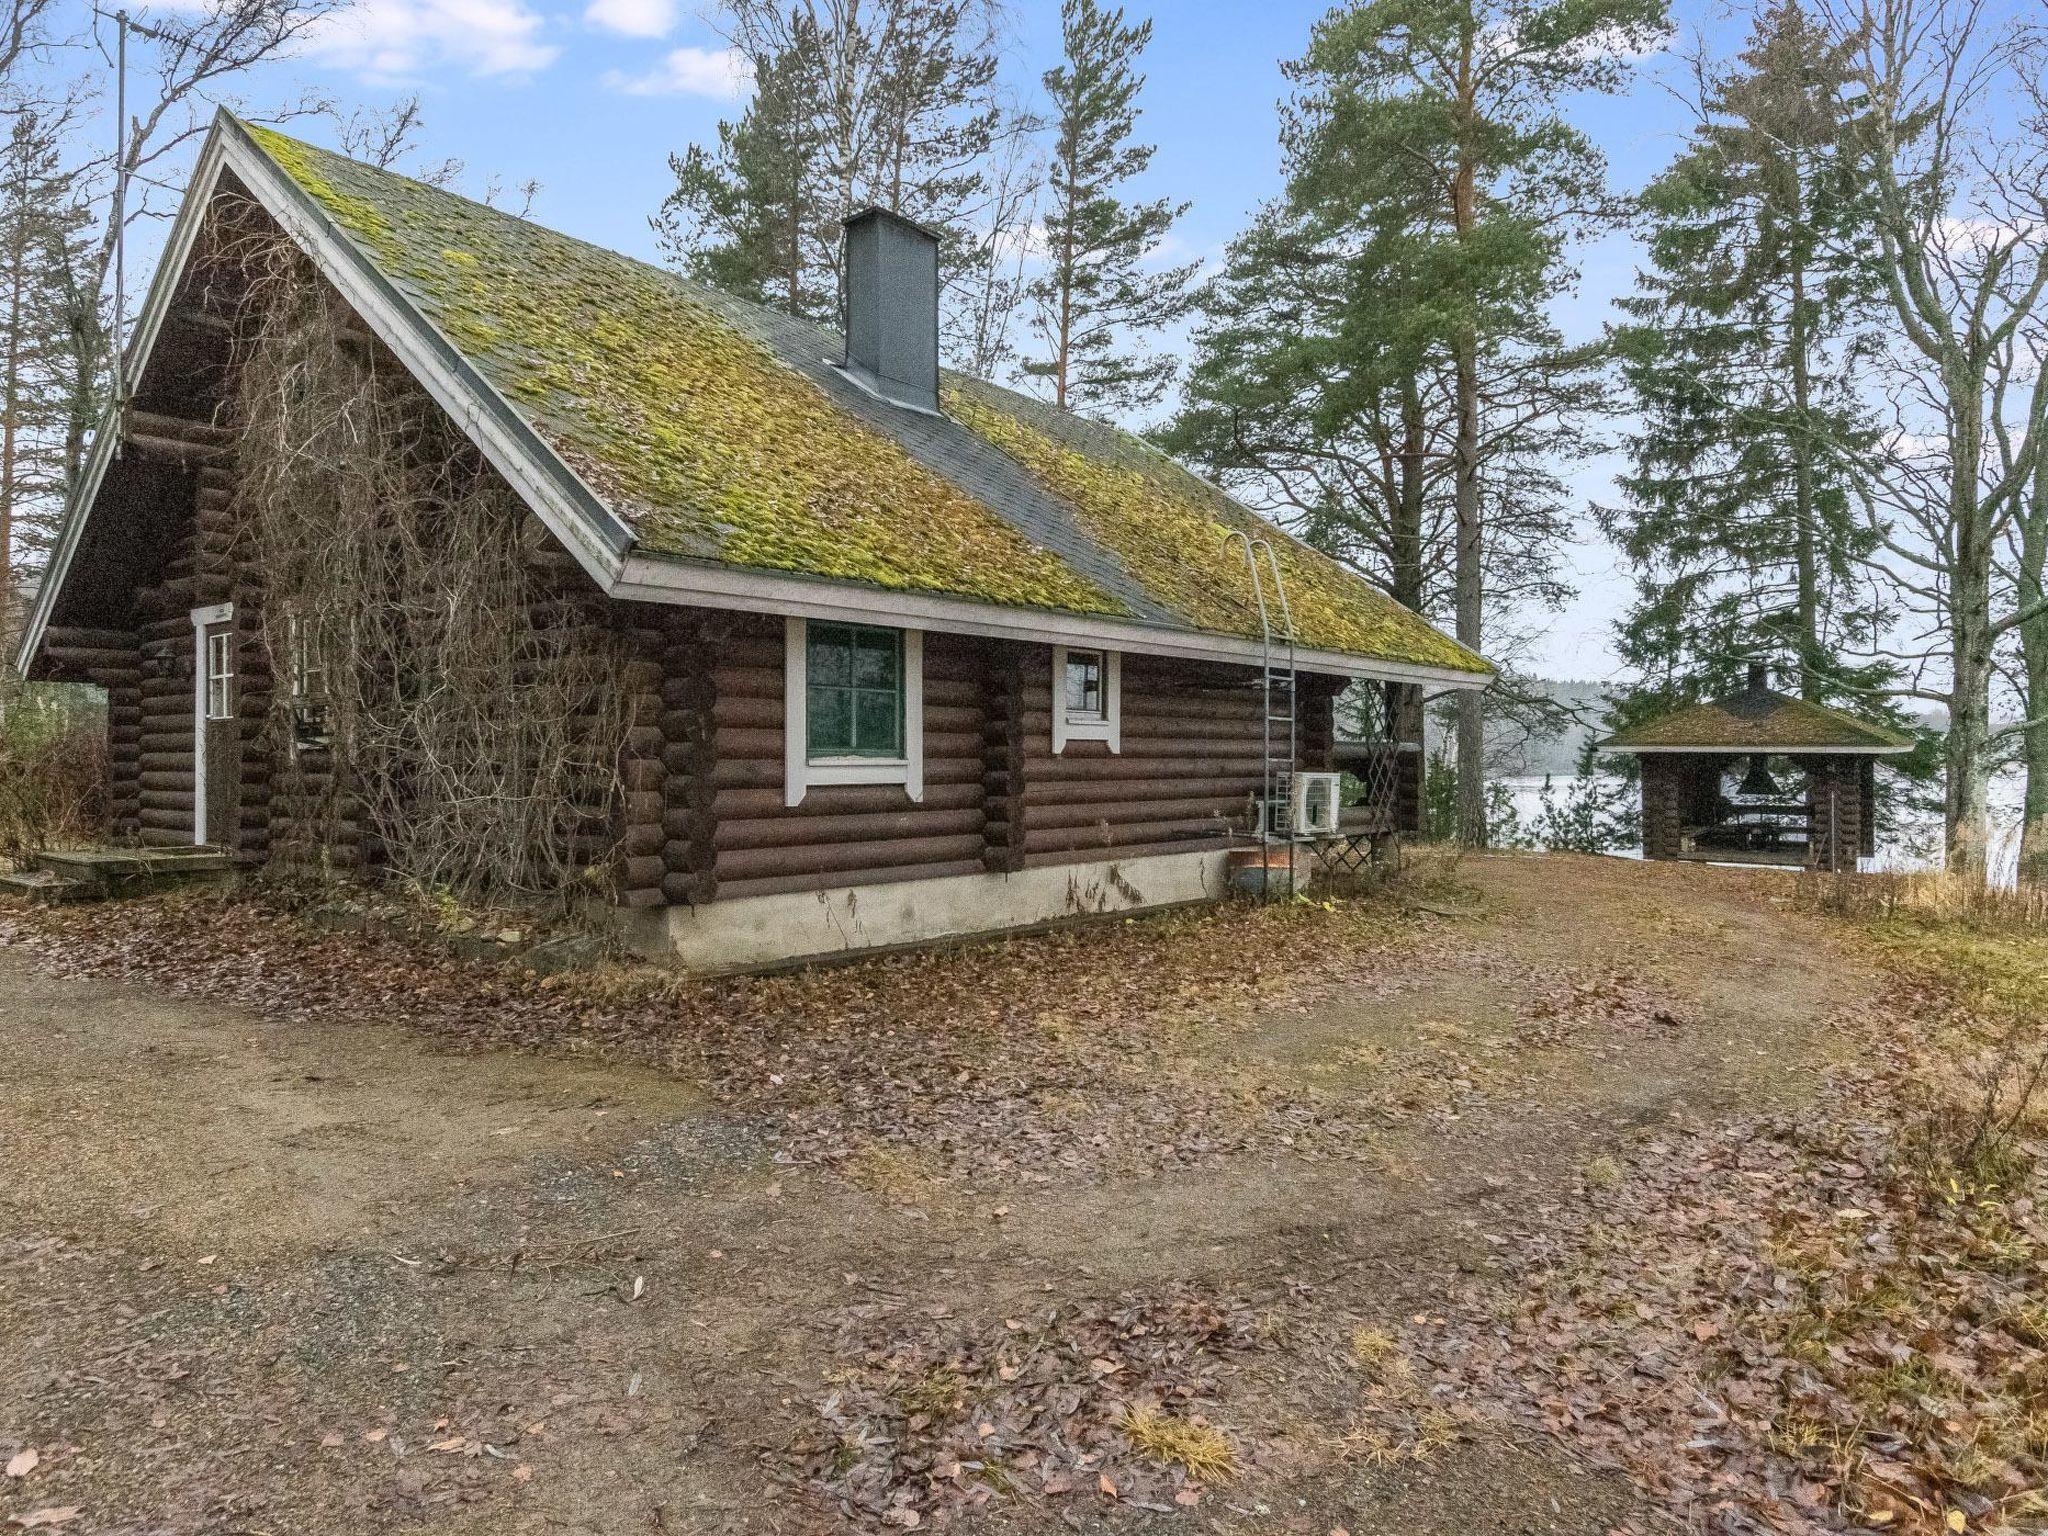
column 1469, row 599
column 2033, row 865
column 1405, row 535
column 1806, row 534
column 1968, row 819
column 1469, row 577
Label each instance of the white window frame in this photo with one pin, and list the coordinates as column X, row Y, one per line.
column 1109, row 725
column 802, row 773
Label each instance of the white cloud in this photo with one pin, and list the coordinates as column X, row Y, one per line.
column 632, row 18
column 720, row 73
column 399, row 39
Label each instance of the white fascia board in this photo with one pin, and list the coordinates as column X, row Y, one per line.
column 106, row 443
column 1728, row 751
column 570, row 509
column 575, row 514
column 648, row 580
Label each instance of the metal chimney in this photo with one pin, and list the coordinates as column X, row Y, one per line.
column 892, row 307
column 1759, row 674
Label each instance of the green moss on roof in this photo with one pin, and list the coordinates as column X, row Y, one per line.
column 680, row 416
column 1760, row 720
column 703, row 441
column 1168, row 528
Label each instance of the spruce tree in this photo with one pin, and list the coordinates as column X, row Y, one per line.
column 1445, row 118
column 1096, row 297
column 1742, row 349
column 52, row 344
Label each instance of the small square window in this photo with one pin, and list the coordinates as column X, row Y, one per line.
column 1085, row 706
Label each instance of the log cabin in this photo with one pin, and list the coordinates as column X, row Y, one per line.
column 900, row 654
column 1760, row 777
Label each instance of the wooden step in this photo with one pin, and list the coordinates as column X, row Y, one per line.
column 46, row 889
column 93, row 862
column 107, row 872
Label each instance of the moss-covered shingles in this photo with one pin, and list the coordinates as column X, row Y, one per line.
column 711, row 448
column 1168, row 529
column 707, row 445
column 1786, row 724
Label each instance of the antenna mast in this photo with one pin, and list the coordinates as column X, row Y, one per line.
column 123, row 25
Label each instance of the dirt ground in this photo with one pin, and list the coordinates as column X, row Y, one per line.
column 265, row 1272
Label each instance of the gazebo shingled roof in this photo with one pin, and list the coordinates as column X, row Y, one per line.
column 1759, row 719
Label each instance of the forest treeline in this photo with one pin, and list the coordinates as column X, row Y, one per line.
column 1826, row 386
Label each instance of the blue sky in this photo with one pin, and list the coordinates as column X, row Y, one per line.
column 589, row 97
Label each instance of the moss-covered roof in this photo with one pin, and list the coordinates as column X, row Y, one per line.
column 716, row 431
column 1759, row 719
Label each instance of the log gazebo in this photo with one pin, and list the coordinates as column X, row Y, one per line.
column 1760, row 777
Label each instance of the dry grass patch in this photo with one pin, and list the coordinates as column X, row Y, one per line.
column 1194, row 1445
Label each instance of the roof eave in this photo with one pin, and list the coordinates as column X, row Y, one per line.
column 601, row 542
column 1739, row 749
column 649, row 579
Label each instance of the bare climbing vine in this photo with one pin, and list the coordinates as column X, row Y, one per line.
column 443, row 704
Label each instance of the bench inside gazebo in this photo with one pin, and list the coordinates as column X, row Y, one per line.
column 1760, row 777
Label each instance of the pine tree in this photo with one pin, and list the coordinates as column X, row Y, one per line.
column 1743, row 348
column 1445, row 117
column 745, row 218
column 52, row 344
column 858, row 103
column 1096, row 297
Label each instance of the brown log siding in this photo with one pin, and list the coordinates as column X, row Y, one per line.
column 844, row 834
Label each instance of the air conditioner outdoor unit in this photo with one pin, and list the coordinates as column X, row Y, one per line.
column 1318, row 802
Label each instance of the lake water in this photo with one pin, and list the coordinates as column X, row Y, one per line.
column 1912, row 846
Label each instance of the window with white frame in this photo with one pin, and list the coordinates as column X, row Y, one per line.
column 853, row 706
column 220, row 675
column 1086, row 697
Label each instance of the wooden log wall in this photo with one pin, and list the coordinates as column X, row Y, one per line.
column 1405, row 709
column 841, row 835
column 1867, row 785
column 261, row 744
column 689, row 728
column 166, row 763
column 1834, row 796
column 1663, row 818
column 643, row 769
column 1005, row 765
column 1190, row 764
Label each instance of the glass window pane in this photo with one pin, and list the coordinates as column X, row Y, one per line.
column 831, row 662
column 877, row 728
column 877, row 660
column 1084, row 683
column 831, row 722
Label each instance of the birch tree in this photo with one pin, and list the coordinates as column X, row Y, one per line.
column 1955, row 156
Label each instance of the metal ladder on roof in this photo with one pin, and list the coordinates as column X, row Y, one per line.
column 1279, row 694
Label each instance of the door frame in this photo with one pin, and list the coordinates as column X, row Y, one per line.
column 202, row 620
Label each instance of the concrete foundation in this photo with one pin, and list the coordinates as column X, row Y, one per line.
column 757, row 931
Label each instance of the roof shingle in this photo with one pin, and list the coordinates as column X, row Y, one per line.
column 1759, row 719
column 719, row 431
